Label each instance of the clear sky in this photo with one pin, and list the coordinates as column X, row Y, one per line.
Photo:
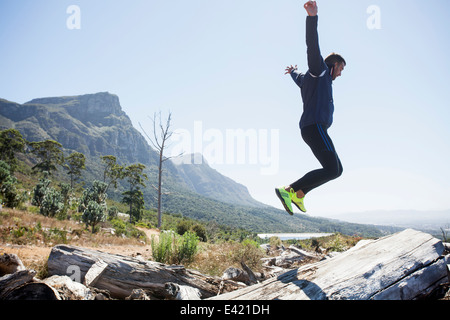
column 218, row 66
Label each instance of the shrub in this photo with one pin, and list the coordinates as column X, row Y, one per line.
column 40, row 190
column 249, row 252
column 113, row 212
column 120, row 226
column 187, row 247
column 183, row 226
column 8, row 191
column 52, row 203
column 93, row 214
column 173, row 248
column 200, row 231
column 162, row 249
column 93, row 204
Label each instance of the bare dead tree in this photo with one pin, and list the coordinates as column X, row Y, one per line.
column 161, row 134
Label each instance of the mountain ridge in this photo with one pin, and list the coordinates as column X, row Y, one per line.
column 432, row 220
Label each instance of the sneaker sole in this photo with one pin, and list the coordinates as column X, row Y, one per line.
column 283, row 203
column 299, row 207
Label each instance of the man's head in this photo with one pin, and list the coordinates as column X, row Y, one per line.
column 337, row 63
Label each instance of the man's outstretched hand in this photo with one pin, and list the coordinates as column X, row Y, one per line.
column 290, row 69
column 311, row 8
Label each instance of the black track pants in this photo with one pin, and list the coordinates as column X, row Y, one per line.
column 321, row 145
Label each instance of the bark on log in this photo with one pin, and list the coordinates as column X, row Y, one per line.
column 33, row 291
column 123, row 273
column 404, row 266
column 10, row 282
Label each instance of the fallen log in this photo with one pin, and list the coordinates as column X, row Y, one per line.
column 33, row 291
column 404, row 266
column 10, row 282
column 121, row 274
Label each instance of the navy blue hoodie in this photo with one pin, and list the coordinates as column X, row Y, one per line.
column 316, row 84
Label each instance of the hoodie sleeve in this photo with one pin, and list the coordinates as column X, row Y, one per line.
column 297, row 77
column 316, row 63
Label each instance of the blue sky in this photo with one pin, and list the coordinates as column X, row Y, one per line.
column 221, row 64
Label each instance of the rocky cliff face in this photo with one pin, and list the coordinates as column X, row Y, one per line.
column 96, row 125
column 93, row 124
column 100, row 109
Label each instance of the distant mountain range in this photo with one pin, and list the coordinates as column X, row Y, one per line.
column 96, row 125
column 431, row 221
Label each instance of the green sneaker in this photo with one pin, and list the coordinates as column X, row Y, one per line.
column 297, row 201
column 285, row 199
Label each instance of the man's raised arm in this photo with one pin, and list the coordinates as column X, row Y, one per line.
column 315, row 61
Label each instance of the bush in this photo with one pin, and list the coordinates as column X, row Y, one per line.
column 40, row 190
column 187, row 247
column 173, row 248
column 93, row 204
column 123, row 228
column 8, row 191
column 119, row 226
column 184, row 226
column 113, row 212
column 200, row 231
column 162, row 250
column 93, row 214
column 250, row 252
column 52, row 203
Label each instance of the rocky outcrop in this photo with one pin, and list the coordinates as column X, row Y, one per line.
column 93, row 124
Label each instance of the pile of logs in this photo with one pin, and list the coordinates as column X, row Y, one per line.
column 407, row 265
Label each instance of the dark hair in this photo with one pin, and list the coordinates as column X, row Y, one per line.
column 333, row 58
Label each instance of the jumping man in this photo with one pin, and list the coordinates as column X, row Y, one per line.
column 318, row 108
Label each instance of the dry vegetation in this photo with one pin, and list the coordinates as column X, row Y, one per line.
column 31, row 236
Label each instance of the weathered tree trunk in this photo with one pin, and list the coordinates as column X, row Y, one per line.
column 404, row 266
column 122, row 274
column 10, row 282
column 33, row 291
column 20, row 283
